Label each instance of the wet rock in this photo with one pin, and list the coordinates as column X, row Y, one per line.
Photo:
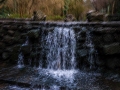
column 8, row 39
column 25, row 49
column 82, row 52
column 97, row 40
column 113, row 63
column 2, row 45
column 9, row 49
column 113, row 48
column 16, row 48
column 117, row 37
column 10, row 32
column 13, row 58
column 108, row 38
column 99, row 62
column 23, row 35
column 5, row 55
column 33, row 33
column 16, row 39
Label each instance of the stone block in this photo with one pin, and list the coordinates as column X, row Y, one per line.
column 108, row 39
column 113, row 63
column 113, row 48
column 7, row 39
column 10, row 32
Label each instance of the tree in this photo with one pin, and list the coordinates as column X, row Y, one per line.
column 106, row 6
column 66, row 7
column 76, row 7
column 2, row 1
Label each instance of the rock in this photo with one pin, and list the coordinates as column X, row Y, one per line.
column 16, row 39
column 8, row 39
column 33, row 33
column 38, row 16
column 2, row 45
column 82, row 52
column 16, row 48
column 23, row 36
column 69, row 17
column 99, row 62
column 108, row 38
column 25, row 49
column 117, row 37
column 5, row 55
column 113, row 63
column 95, row 16
column 112, row 49
column 13, row 58
column 10, row 32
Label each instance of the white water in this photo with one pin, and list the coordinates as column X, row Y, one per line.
column 61, row 63
column 20, row 62
column 61, row 44
column 92, row 52
column 61, row 53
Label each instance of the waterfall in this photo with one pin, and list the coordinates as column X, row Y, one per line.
column 92, row 52
column 20, row 62
column 61, row 49
column 56, row 49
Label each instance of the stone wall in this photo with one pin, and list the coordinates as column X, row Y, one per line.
column 99, row 41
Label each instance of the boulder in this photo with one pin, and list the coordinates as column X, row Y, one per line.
column 95, row 16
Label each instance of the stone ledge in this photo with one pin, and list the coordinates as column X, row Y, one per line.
column 54, row 23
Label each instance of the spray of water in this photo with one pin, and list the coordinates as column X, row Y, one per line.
column 61, row 45
column 61, row 49
column 20, row 62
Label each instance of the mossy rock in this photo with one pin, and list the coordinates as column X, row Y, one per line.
column 33, row 33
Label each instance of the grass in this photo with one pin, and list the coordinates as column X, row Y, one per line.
column 55, row 18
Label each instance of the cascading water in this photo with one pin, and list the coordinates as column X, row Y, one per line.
column 92, row 52
column 20, row 62
column 60, row 54
column 52, row 55
column 61, row 49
